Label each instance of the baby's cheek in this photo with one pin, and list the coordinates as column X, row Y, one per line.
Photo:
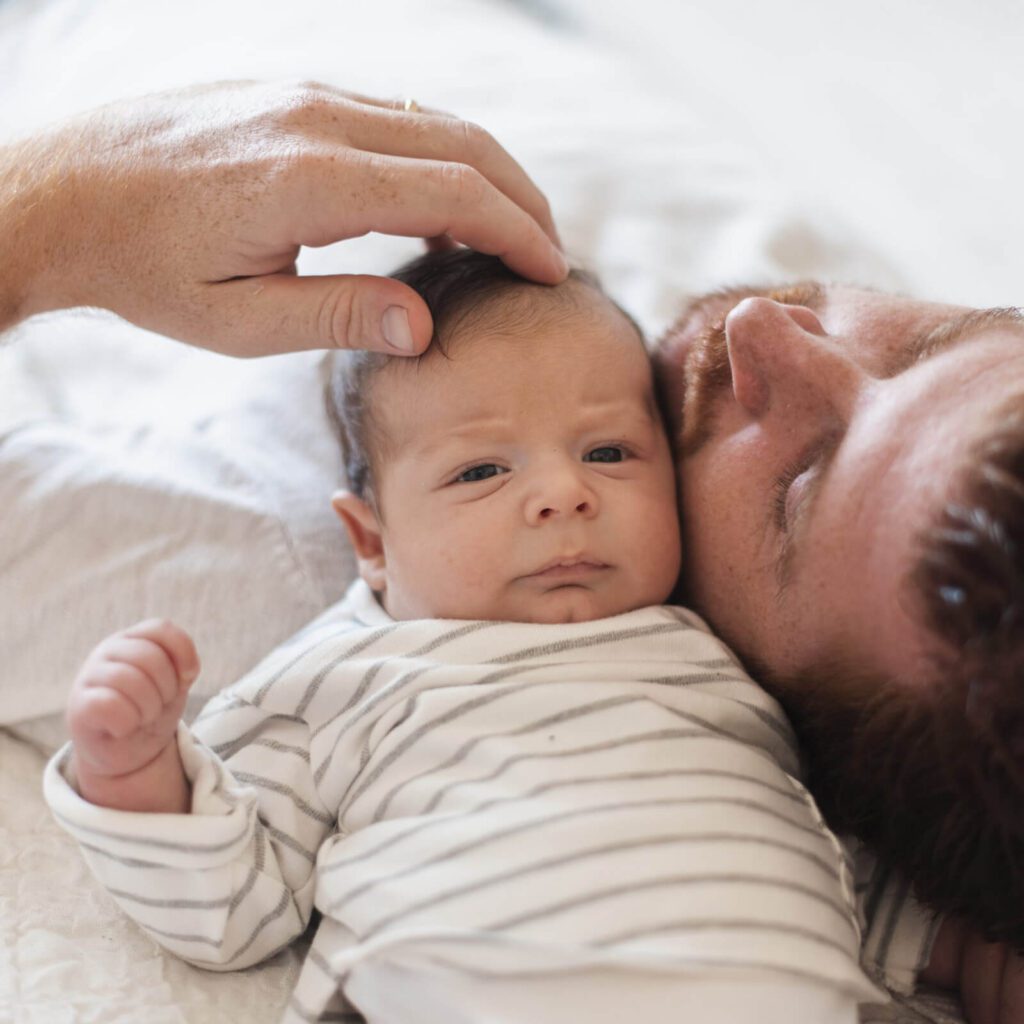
column 461, row 579
column 475, row 568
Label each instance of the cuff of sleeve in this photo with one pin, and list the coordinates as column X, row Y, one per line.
column 218, row 829
column 908, row 946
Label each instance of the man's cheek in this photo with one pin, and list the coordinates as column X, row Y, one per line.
column 717, row 531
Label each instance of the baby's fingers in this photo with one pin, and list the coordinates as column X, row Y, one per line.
column 103, row 710
column 136, row 689
column 153, row 680
column 173, row 641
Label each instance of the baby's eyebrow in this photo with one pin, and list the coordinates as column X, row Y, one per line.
column 951, row 333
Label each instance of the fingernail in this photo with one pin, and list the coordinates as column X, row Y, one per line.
column 395, row 327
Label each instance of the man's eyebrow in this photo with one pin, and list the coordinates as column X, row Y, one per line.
column 951, row 333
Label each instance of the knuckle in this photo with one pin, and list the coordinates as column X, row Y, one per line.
column 464, row 184
column 147, row 632
column 302, row 106
column 106, row 652
column 336, row 318
column 111, row 675
column 476, row 140
column 312, row 86
column 306, row 97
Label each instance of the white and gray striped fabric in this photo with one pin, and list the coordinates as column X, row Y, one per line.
column 497, row 799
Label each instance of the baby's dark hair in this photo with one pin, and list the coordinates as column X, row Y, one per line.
column 458, row 287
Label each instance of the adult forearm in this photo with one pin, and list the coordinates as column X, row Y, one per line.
column 24, row 183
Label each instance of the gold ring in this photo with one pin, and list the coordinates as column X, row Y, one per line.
column 411, row 106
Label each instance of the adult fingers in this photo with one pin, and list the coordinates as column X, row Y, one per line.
column 1011, row 1005
column 390, row 127
column 408, row 105
column 981, row 979
column 421, row 198
column 426, row 135
column 282, row 312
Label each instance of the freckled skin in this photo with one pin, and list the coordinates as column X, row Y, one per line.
column 167, row 208
column 903, row 436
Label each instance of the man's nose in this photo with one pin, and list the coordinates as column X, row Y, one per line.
column 781, row 356
column 561, row 491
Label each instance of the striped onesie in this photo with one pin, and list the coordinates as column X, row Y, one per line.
column 499, row 801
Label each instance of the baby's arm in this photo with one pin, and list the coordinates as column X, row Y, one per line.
column 235, row 872
column 123, row 716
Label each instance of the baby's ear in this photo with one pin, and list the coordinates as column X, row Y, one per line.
column 364, row 532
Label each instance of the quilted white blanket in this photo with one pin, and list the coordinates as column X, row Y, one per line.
column 68, row 955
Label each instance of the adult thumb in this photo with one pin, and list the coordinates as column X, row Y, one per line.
column 287, row 313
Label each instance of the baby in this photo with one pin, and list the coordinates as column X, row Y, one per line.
column 515, row 784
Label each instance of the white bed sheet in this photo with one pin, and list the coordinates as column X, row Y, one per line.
column 683, row 147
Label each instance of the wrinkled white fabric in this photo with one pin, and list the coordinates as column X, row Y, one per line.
column 500, row 800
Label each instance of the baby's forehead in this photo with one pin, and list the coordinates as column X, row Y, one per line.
column 504, row 356
column 506, row 359
column 538, row 332
column 530, row 309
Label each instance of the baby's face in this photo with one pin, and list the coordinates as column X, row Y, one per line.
column 527, row 477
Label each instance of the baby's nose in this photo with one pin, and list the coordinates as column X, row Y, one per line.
column 562, row 492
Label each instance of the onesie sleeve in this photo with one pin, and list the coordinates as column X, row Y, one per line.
column 897, row 930
column 231, row 883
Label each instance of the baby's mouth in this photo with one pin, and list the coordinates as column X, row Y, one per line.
column 567, row 569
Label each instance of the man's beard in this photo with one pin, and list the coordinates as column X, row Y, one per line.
column 931, row 787
column 705, row 369
column 911, row 774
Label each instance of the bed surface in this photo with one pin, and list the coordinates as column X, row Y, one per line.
column 657, row 141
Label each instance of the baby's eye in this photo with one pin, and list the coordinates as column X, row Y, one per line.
column 476, row 473
column 606, row 453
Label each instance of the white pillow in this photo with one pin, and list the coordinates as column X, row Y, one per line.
column 219, row 518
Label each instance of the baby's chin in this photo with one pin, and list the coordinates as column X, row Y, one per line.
column 568, row 604
column 557, row 606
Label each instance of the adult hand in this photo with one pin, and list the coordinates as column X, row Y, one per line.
column 184, row 213
column 989, row 975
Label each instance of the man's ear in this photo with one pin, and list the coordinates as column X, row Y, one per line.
column 364, row 532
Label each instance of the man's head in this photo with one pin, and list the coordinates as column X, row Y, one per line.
column 519, row 468
column 852, row 487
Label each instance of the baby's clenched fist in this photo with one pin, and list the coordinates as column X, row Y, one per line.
column 127, row 699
